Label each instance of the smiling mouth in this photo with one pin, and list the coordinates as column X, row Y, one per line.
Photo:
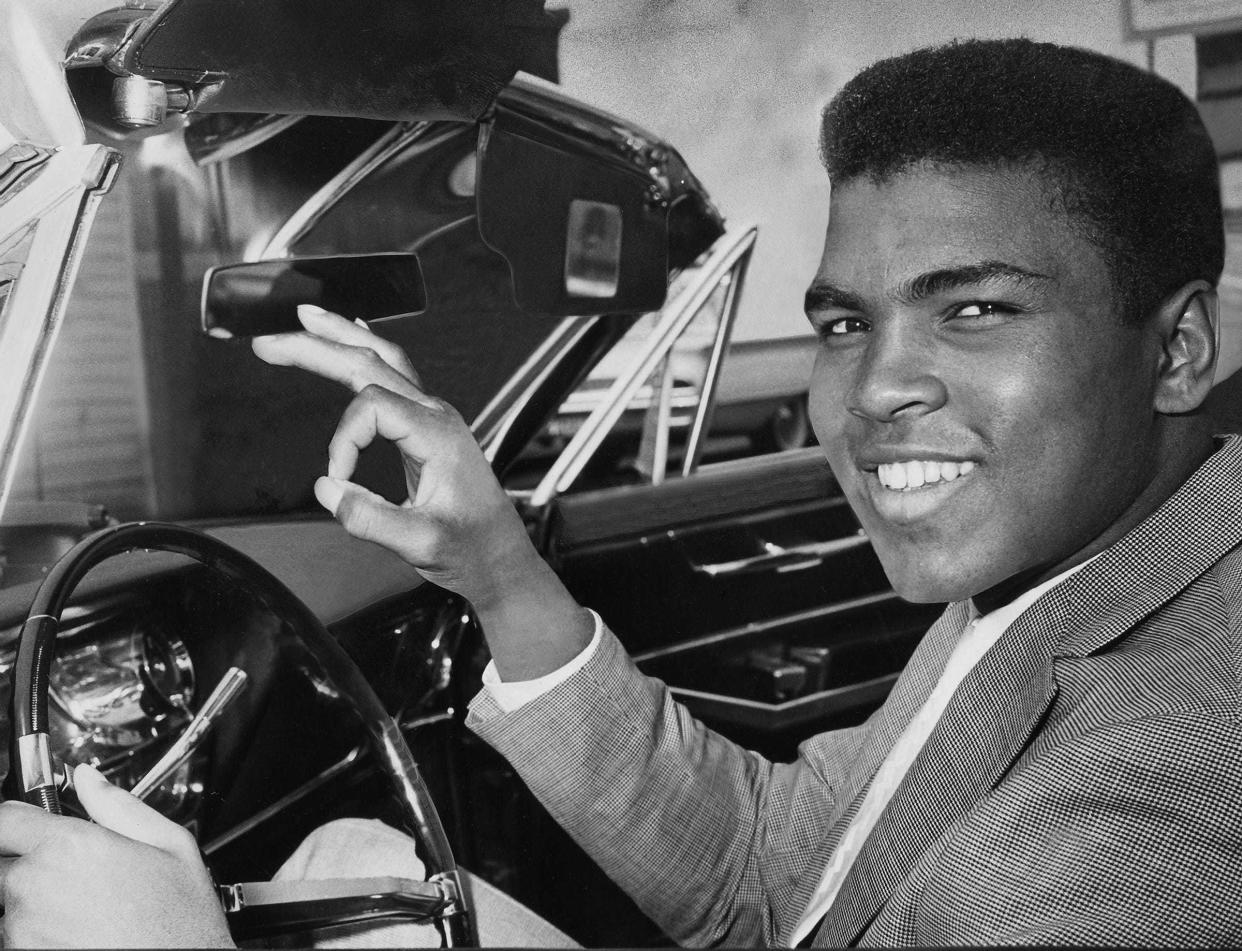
column 919, row 474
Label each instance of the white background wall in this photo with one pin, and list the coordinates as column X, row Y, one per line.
column 737, row 86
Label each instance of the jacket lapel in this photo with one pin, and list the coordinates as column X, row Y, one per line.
column 908, row 695
column 1000, row 703
column 989, row 720
column 886, row 724
column 1162, row 556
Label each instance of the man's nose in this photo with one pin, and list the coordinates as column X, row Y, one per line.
column 896, row 378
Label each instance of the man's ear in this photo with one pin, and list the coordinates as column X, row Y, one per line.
column 1187, row 323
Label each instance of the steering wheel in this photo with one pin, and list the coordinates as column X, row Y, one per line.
column 30, row 754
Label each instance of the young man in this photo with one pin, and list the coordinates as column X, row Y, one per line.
column 1017, row 316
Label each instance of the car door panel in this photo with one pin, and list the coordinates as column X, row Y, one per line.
column 715, row 581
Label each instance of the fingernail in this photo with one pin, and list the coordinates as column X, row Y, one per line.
column 86, row 773
column 329, row 492
column 362, row 323
column 310, row 310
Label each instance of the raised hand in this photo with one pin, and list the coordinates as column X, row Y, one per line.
column 458, row 528
column 130, row 879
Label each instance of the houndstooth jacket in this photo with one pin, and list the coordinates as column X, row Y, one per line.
column 1084, row 785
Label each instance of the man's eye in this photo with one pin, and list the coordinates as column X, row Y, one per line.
column 982, row 309
column 843, row 325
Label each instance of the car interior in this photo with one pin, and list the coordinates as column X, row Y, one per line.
column 142, row 563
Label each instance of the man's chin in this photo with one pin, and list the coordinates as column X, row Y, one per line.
column 927, row 594
column 922, row 584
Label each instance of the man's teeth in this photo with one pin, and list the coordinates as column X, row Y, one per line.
column 912, row 475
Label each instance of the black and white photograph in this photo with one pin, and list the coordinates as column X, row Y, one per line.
column 632, row 474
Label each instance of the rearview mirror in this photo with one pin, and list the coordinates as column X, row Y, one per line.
column 580, row 231
column 261, row 297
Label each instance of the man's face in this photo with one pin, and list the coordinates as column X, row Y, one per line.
column 982, row 406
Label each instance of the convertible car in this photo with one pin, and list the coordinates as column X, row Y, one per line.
column 173, row 607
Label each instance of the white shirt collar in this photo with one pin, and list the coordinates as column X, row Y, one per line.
column 1006, row 614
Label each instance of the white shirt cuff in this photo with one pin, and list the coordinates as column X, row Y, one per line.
column 511, row 695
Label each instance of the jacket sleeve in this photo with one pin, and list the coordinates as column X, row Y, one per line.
column 710, row 839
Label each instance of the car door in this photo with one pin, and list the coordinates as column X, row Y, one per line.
column 746, row 584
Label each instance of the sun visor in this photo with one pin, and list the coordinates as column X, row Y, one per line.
column 379, row 59
column 583, row 233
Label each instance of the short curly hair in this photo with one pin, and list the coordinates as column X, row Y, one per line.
column 1123, row 151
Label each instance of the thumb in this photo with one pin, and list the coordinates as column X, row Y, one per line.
column 368, row 516
column 126, row 814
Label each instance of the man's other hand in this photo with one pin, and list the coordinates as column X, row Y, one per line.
column 130, row 879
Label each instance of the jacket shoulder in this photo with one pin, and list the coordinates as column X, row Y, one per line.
column 1183, row 658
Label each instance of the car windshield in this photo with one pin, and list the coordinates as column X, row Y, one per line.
column 141, row 414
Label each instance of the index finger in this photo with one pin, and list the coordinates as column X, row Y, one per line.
column 356, row 333
column 353, row 366
column 23, row 827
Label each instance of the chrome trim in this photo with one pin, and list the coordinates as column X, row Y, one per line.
column 179, row 655
column 247, row 140
column 284, row 802
column 582, row 402
column 450, row 886
column 496, row 419
column 811, row 699
column 727, row 251
column 17, row 162
column 338, row 768
column 259, row 910
column 221, row 698
column 139, row 103
column 760, row 627
column 60, row 203
column 652, row 459
column 707, row 402
column 398, row 762
column 396, row 140
column 232, row 898
column 798, row 711
column 36, row 756
column 782, row 560
column 74, row 614
column 423, row 898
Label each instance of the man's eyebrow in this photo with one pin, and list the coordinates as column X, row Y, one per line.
column 822, row 295
column 966, row 275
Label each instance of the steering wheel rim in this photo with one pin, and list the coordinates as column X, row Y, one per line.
column 30, row 760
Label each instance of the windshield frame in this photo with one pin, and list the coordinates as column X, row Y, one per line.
column 58, row 200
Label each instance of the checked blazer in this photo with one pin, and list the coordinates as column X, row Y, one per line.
column 1084, row 785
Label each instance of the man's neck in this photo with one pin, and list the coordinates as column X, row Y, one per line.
column 1013, row 587
column 1195, row 445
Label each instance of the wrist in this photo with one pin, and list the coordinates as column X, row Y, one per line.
column 532, row 624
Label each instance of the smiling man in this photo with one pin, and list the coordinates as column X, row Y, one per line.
column 1016, row 308
column 1017, row 311
column 1017, row 314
